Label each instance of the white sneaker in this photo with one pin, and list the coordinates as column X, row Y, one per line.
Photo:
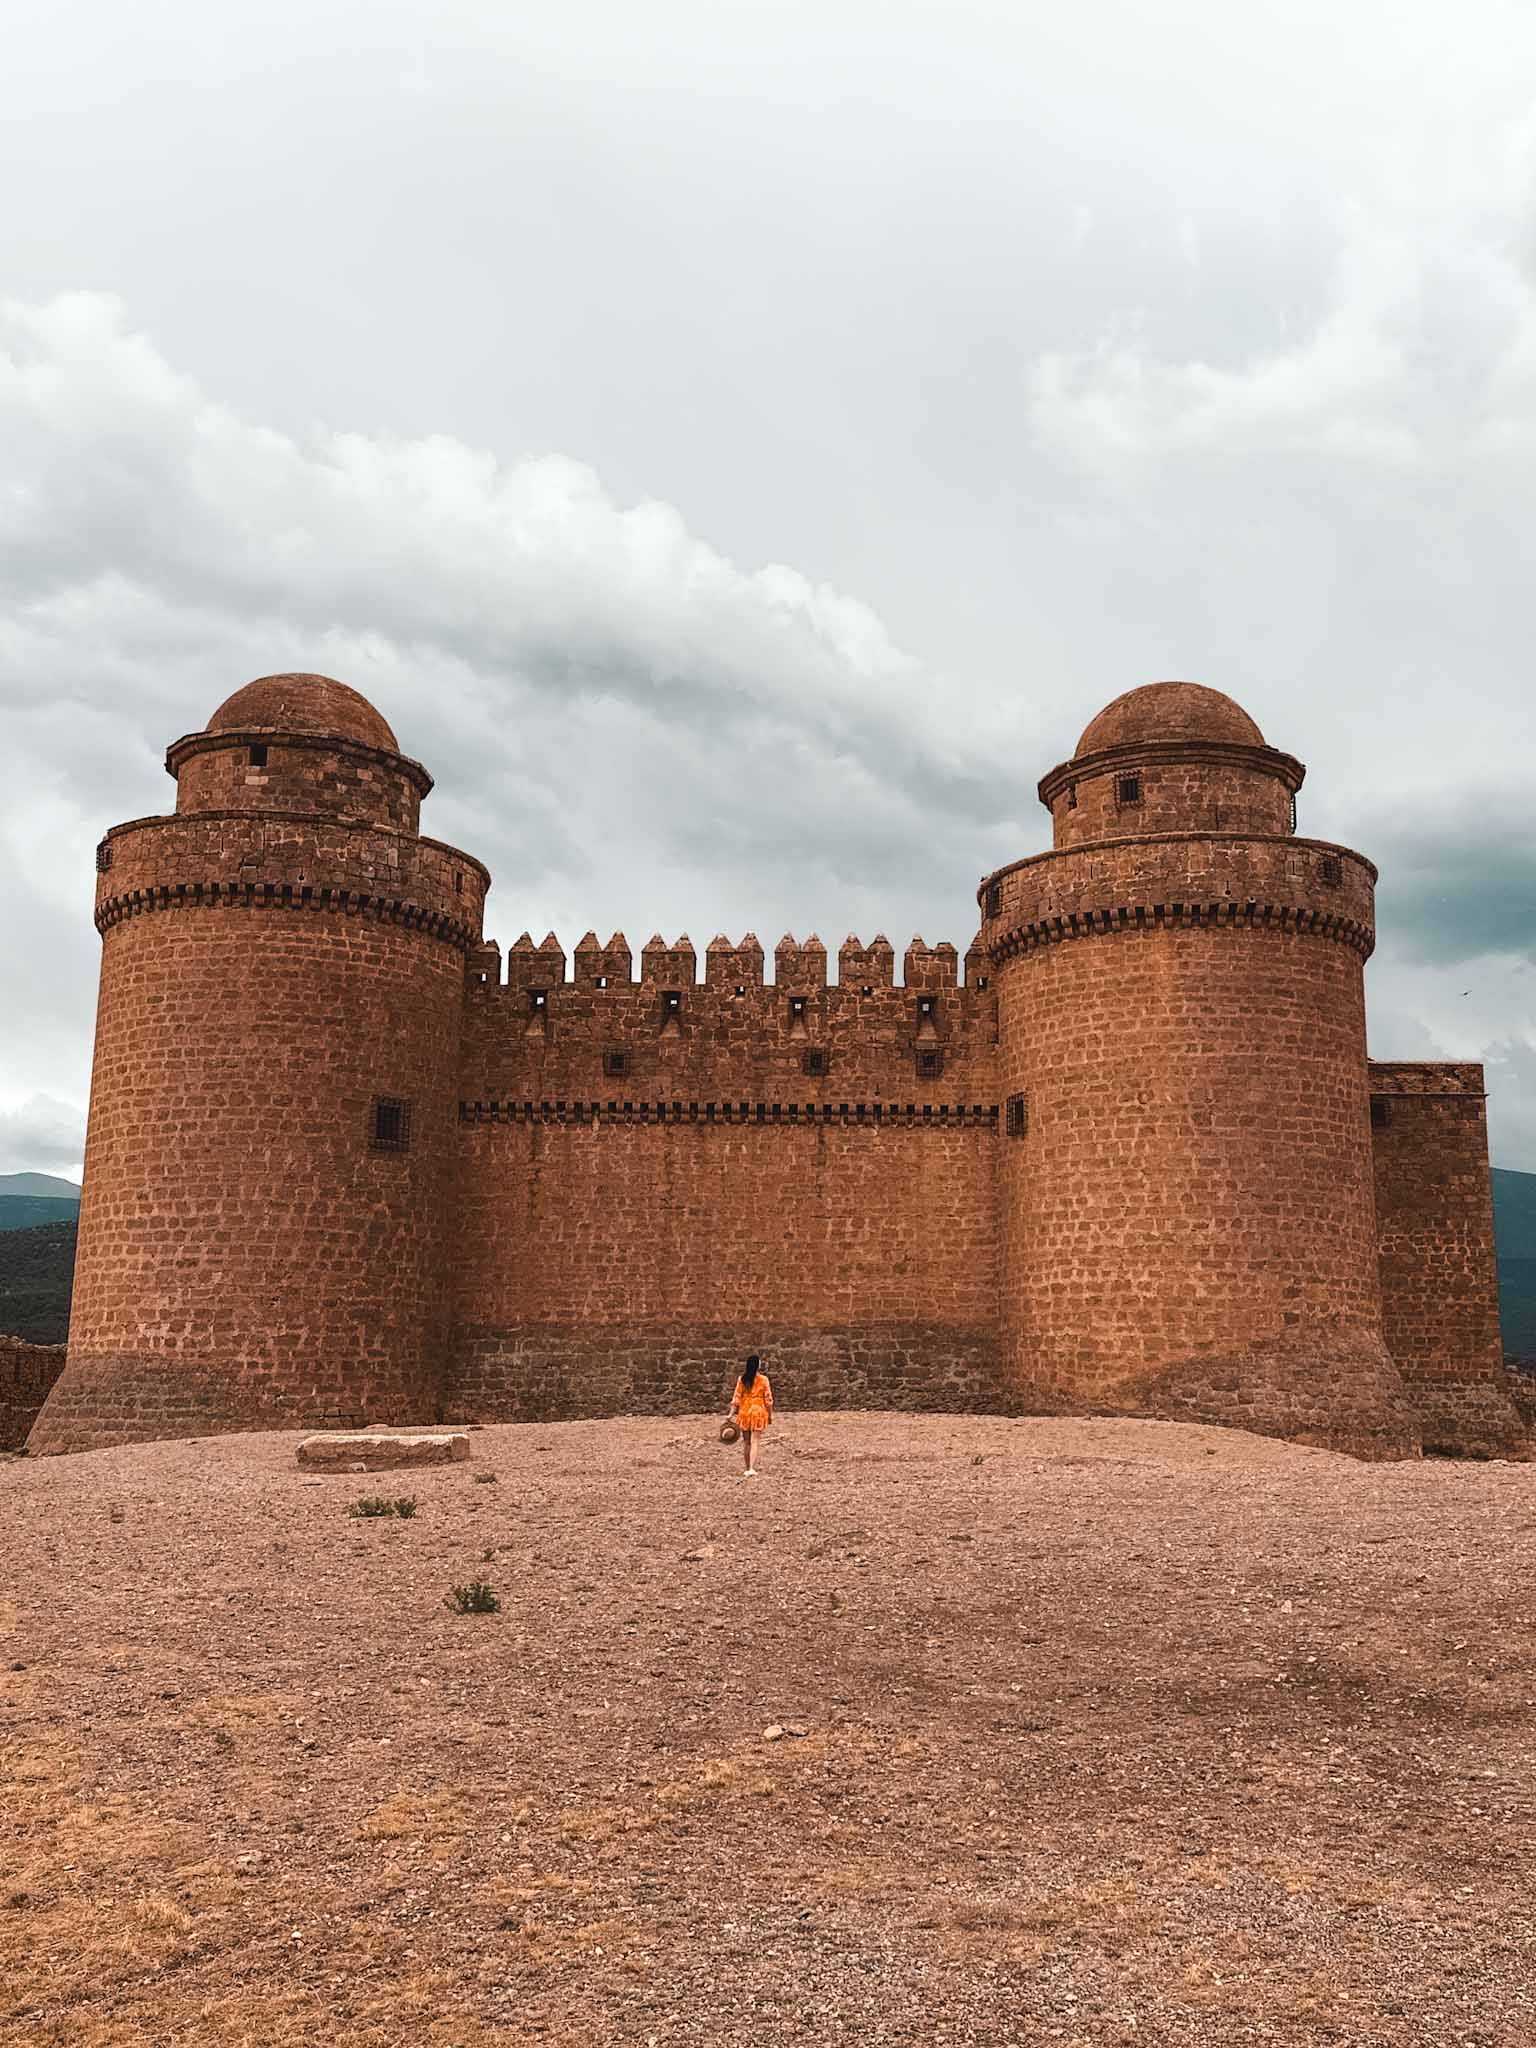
column 751, row 1471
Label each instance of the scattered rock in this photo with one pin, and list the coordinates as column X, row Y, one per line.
column 774, row 1733
column 354, row 1451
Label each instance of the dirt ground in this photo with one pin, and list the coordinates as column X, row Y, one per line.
column 1114, row 1732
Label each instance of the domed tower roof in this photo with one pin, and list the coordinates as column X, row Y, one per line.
column 304, row 703
column 1171, row 757
column 301, row 745
column 1169, row 711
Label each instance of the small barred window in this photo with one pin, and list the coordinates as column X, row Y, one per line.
column 1381, row 1111
column 615, row 1065
column 1016, row 1116
column 1332, row 868
column 930, row 1065
column 994, row 899
column 814, row 1062
column 1128, row 789
column 1071, row 796
column 103, row 856
column 391, row 1124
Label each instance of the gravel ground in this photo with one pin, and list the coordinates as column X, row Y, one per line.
column 1114, row 1732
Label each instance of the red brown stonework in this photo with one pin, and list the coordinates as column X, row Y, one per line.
column 1120, row 1159
column 1434, row 1215
column 27, row 1374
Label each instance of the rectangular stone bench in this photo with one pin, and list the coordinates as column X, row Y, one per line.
column 357, row 1450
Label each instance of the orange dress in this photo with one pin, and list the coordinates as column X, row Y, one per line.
column 754, row 1404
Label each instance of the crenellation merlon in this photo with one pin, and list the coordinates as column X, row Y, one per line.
column 737, row 967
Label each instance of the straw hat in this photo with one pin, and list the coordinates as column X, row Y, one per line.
column 729, row 1433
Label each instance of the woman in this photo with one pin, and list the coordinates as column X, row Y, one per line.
column 751, row 1410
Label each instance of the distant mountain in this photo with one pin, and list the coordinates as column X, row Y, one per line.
column 39, row 1184
column 37, row 1271
column 1514, row 1226
column 27, row 1199
column 21, row 1212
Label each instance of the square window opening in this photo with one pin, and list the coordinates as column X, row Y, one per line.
column 1128, row 789
column 671, row 1001
column 391, row 1124
column 1381, row 1112
column 258, row 757
column 615, row 1065
column 814, row 1062
column 1016, row 1117
column 1332, row 868
column 538, row 998
column 930, row 1065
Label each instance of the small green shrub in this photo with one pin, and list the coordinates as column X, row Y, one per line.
column 475, row 1598
column 374, row 1504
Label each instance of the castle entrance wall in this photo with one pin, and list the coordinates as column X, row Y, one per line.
column 627, row 1264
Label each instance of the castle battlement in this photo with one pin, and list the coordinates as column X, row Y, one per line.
column 736, row 966
column 349, row 1161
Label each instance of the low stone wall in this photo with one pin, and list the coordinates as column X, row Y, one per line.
column 27, row 1373
column 554, row 1373
column 1520, row 1380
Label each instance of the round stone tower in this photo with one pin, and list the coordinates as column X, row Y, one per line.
column 1188, row 1207
column 266, row 1216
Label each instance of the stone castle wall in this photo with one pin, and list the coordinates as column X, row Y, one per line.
column 27, row 1374
column 1439, row 1275
column 800, row 1169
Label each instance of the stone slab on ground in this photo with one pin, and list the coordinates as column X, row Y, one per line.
column 355, row 1450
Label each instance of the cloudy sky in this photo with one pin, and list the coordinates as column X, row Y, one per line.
column 738, row 447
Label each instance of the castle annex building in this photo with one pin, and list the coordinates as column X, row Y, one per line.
column 345, row 1164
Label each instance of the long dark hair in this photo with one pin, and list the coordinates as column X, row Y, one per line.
column 749, row 1370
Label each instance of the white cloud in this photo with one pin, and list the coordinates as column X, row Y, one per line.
column 628, row 727
column 41, row 1135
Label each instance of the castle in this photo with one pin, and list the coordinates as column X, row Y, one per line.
column 1130, row 1157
